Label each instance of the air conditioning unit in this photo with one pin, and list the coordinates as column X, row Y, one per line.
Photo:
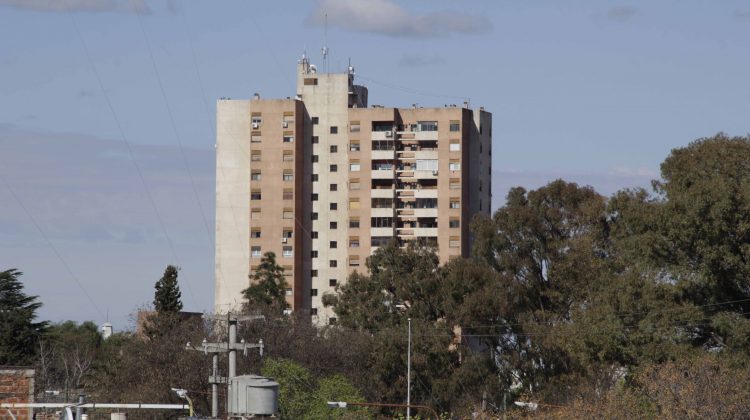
column 389, row 133
column 434, row 173
column 285, row 124
column 256, row 125
column 283, row 239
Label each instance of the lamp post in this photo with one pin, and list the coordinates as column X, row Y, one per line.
column 182, row 393
column 408, row 376
column 344, row 404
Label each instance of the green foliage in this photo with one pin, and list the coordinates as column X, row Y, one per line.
column 19, row 333
column 67, row 354
column 167, row 304
column 302, row 397
column 167, row 296
column 268, row 286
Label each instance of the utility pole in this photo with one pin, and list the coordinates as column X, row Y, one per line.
column 230, row 346
column 408, row 376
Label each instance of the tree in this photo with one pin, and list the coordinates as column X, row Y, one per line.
column 19, row 333
column 167, row 304
column 68, row 352
column 167, row 295
column 301, row 396
column 268, row 288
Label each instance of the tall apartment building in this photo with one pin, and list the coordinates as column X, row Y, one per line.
column 322, row 180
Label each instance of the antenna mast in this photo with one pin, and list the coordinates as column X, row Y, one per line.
column 324, row 50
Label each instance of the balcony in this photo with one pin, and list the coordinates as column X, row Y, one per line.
column 382, row 154
column 381, row 231
column 382, row 135
column 426, row 154
column 425, row 232
column 384, row 212
column 381, row 193
column 382, row 174
column 425, row 212
column 425, row 174
column 425, row 193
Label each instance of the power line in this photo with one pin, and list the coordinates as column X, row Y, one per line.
column 54, row 248
column 124, row 139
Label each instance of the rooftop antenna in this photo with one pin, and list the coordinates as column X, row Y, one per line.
column 324, row 50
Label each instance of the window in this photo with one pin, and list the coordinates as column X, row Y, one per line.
column 354, row 184
column 333, row 263
column 314, row 273
column 313, row 292
column 382, row 203
column 454, row 166
column 314, row 234
column 454, row 242
column 311, row 81
column 427, row 126
column 354, row 242
column 354, row 223
column 354, row 167
column 354, row 261
column 288, row 291
column 314, row 139
column 333, row 168
column 286, row 251
column 313, row 254
column 288, row 194
column 257, row 119
column 334, row 148
column 333, row 244
column 455, row 184
column 354, row 203
column 288, row 138
column 288, row 213
column 332, row 321
column 333, row 187
column 255, row 233
column 314, row 197
column 334, row 129
column 314, row 120
column 314, row 216
column 314, row 158
column 456, row 146
column 332, row 282
column 354, row 146
column 288, row 156
column 314, row 311
column 288, row 233
column 455, row 203
column 381, row 222
column 255, row 215
column 427, row 164
column 333, row 225
column 255, row 175
column 255, row 195
column 333, row 206
column 314, row 177
column 455, row 125
column 288, row 175
column 255, row 137
column 255, row 252
column 454, row 223
column 354, row 127
column 255, row 155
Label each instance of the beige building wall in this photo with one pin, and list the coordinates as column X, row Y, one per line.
column 232, row 202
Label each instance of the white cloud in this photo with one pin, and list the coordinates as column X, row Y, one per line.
column 138, row 6
column 387, row 18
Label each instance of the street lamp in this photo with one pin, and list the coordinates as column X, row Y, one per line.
column 182, row 393
column 344, row 404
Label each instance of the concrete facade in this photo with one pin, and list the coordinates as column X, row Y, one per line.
column 362, row 176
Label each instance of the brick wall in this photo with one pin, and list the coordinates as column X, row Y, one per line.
column 17, row 386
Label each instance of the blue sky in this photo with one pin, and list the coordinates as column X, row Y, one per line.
column 107, row 111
